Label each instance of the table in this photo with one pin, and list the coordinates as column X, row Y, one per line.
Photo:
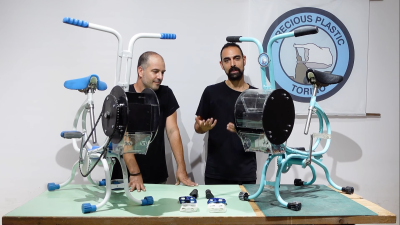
column 64, row 207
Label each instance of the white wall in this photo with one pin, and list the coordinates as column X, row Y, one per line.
column 38, row 53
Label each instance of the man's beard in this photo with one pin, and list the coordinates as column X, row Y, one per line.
column 234, row 77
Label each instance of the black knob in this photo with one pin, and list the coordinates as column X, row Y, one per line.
column 209, row 194
column 194, row 193
column 295, row 206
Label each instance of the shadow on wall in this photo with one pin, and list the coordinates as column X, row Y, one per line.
column 66, row 158
column 198, row 157
column 169, row 157
column 343, row 150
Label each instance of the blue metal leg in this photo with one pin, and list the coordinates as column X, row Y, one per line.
column 262, row 183
column 314, row 176
column 296, row 206
column 328, row 177
column 347, row 189
column 244, row 196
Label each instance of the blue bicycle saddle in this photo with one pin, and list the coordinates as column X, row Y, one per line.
column 82, row 83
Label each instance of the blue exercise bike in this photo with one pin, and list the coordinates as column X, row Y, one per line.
column 264, row 121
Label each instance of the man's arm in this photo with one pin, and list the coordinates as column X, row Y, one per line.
column 135, row 182
column 174, row 137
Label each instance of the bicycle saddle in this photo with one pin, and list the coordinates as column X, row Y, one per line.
column 321, row 78
column 82, row 83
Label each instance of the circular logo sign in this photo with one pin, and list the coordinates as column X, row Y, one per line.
column 331, row 50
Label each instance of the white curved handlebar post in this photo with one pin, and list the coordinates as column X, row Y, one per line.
column 108, row 182
column 112, row 31
column 130, row 49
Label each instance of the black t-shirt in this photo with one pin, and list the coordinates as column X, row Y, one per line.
column 226, row 158
column 153, row 166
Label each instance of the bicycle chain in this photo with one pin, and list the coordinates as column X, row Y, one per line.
column 105, row 146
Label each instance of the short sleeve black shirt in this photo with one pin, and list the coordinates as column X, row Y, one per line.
column 153, row 166
column 226, row 158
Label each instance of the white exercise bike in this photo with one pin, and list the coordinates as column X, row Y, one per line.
column 125, row 134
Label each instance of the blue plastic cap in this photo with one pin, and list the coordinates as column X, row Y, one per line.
column 94, row 147
column 168, row 36
column 148, row 200
column 102, row 182
column 79, row 23
column 52, row 186
column 216, row 200
column 87, row 208
column 110, row 146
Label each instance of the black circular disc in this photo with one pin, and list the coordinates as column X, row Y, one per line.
column 278, row 116
column 115, row 114
column 109, row 119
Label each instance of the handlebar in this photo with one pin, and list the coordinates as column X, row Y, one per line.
column 296, row 33
column 120, row 53
column 233, row 38
column 305, row 31
column 167, row 36
column 76, row 22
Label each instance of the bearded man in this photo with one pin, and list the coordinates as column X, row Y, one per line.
column 227, row 162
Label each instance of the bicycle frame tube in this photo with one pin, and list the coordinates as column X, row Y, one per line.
column 260, row 50
column 81, row 111
column 322, row 116
column 269, row 53
column 130, row 49
column 119, row 38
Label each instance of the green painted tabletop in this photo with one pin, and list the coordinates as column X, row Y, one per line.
column 67, row 201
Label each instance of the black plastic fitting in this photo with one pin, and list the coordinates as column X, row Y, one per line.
column 348, row 190
column 298, row 182
column 244, row 196
column 209, row 194
column 295, row 206
column 194, row 193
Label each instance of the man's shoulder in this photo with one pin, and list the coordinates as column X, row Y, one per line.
column 251, row 87
column 164, row 89
column 216, row 86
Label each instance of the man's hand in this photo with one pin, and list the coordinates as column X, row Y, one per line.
column 205, row 125
column 136, row 183
column 181, row 176
column 231, row 127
